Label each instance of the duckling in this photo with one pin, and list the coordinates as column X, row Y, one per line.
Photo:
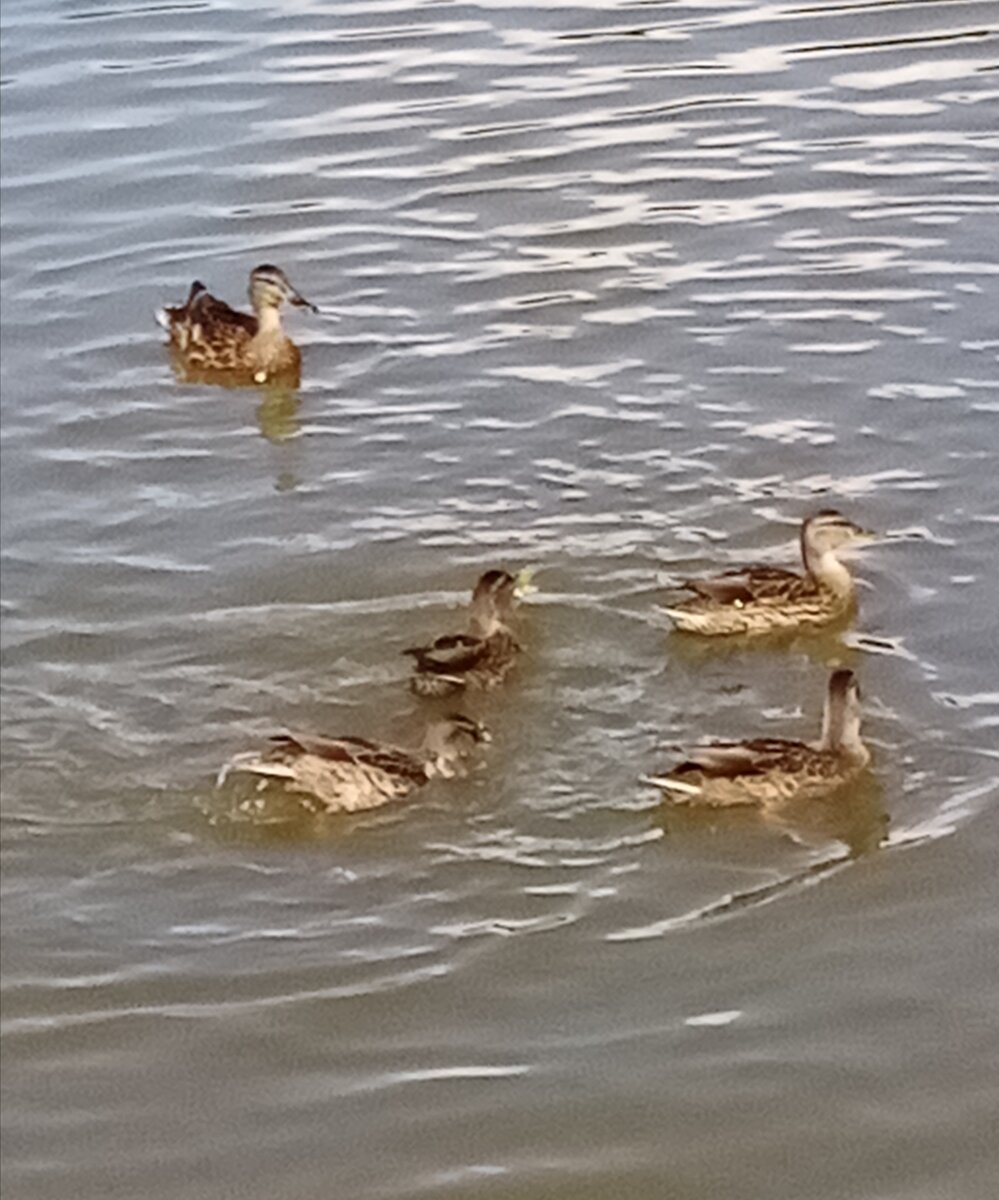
column 760, row 599
column 480, row 658
column 207, row 335
column 768, row 771
column 351, row 774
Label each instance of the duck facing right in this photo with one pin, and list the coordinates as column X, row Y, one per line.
column 770, row 771
column 763, row 599
column 352, row 774
column 207, row 335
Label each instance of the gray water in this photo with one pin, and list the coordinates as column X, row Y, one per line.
column 621, row 291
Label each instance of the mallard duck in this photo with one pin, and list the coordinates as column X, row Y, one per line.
column 351, row 774
column 767, row 771
column 482, row 656
column 760, row 599
column 207, row 335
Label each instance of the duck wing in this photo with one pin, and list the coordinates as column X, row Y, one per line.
column 170, row 314
column 452, row 654
column 748, row 585
column 360, row 752
column 213, row 315
column 727, row 760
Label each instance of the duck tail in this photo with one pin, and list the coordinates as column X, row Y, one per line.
column 166, row 316
column 669, row 783
column 430, row 683
column 683, row 618
column 255, row 764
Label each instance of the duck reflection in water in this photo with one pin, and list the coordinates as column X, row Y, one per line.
column 831, row 646
column 852, row 815
column 277, row 413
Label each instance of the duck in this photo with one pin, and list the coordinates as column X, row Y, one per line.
column 353, row 774
column 762, row 599
column 481, row 657
column 208, row 336
column 768, row 772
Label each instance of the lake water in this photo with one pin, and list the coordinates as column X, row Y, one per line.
column 621, row 291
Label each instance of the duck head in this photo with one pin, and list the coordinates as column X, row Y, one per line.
column 270, row 288
column 451, row 740
column 827, row 531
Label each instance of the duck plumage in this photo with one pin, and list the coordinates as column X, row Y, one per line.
column 208, row 336
column 765, row 771
column 478, row 659
column 764, row 599
column 352, row 774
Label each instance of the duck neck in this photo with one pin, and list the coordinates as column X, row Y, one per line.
column 825, row 569
column 851, row 744
column 841, row 732
column 484, row 620
column 269, row 322
column 484, row 627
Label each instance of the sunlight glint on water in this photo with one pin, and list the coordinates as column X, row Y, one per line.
column 621, row 291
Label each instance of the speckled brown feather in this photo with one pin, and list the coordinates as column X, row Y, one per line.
column 360, row 752
column 352, row 774
column 208, row 335
column 753, row 585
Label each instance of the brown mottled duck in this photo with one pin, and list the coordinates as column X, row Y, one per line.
column 769, row 771
column 209, row 337
column 352, row 774
column 481, row 657
column 762, row 599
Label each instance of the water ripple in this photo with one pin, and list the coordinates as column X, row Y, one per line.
column 622, row 290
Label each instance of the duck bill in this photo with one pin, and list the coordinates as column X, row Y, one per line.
column 299, row 301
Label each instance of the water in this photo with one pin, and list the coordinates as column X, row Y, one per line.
column 621, row 291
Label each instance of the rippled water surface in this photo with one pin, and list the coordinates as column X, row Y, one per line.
column 618, row 290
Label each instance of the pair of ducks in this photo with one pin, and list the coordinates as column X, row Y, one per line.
column 350, row 774
column 760, row 600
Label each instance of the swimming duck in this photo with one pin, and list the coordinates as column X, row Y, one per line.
column 760, row 599
column 482, row 656
column 351, row 774
column 768, row 771
column 207, row 335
